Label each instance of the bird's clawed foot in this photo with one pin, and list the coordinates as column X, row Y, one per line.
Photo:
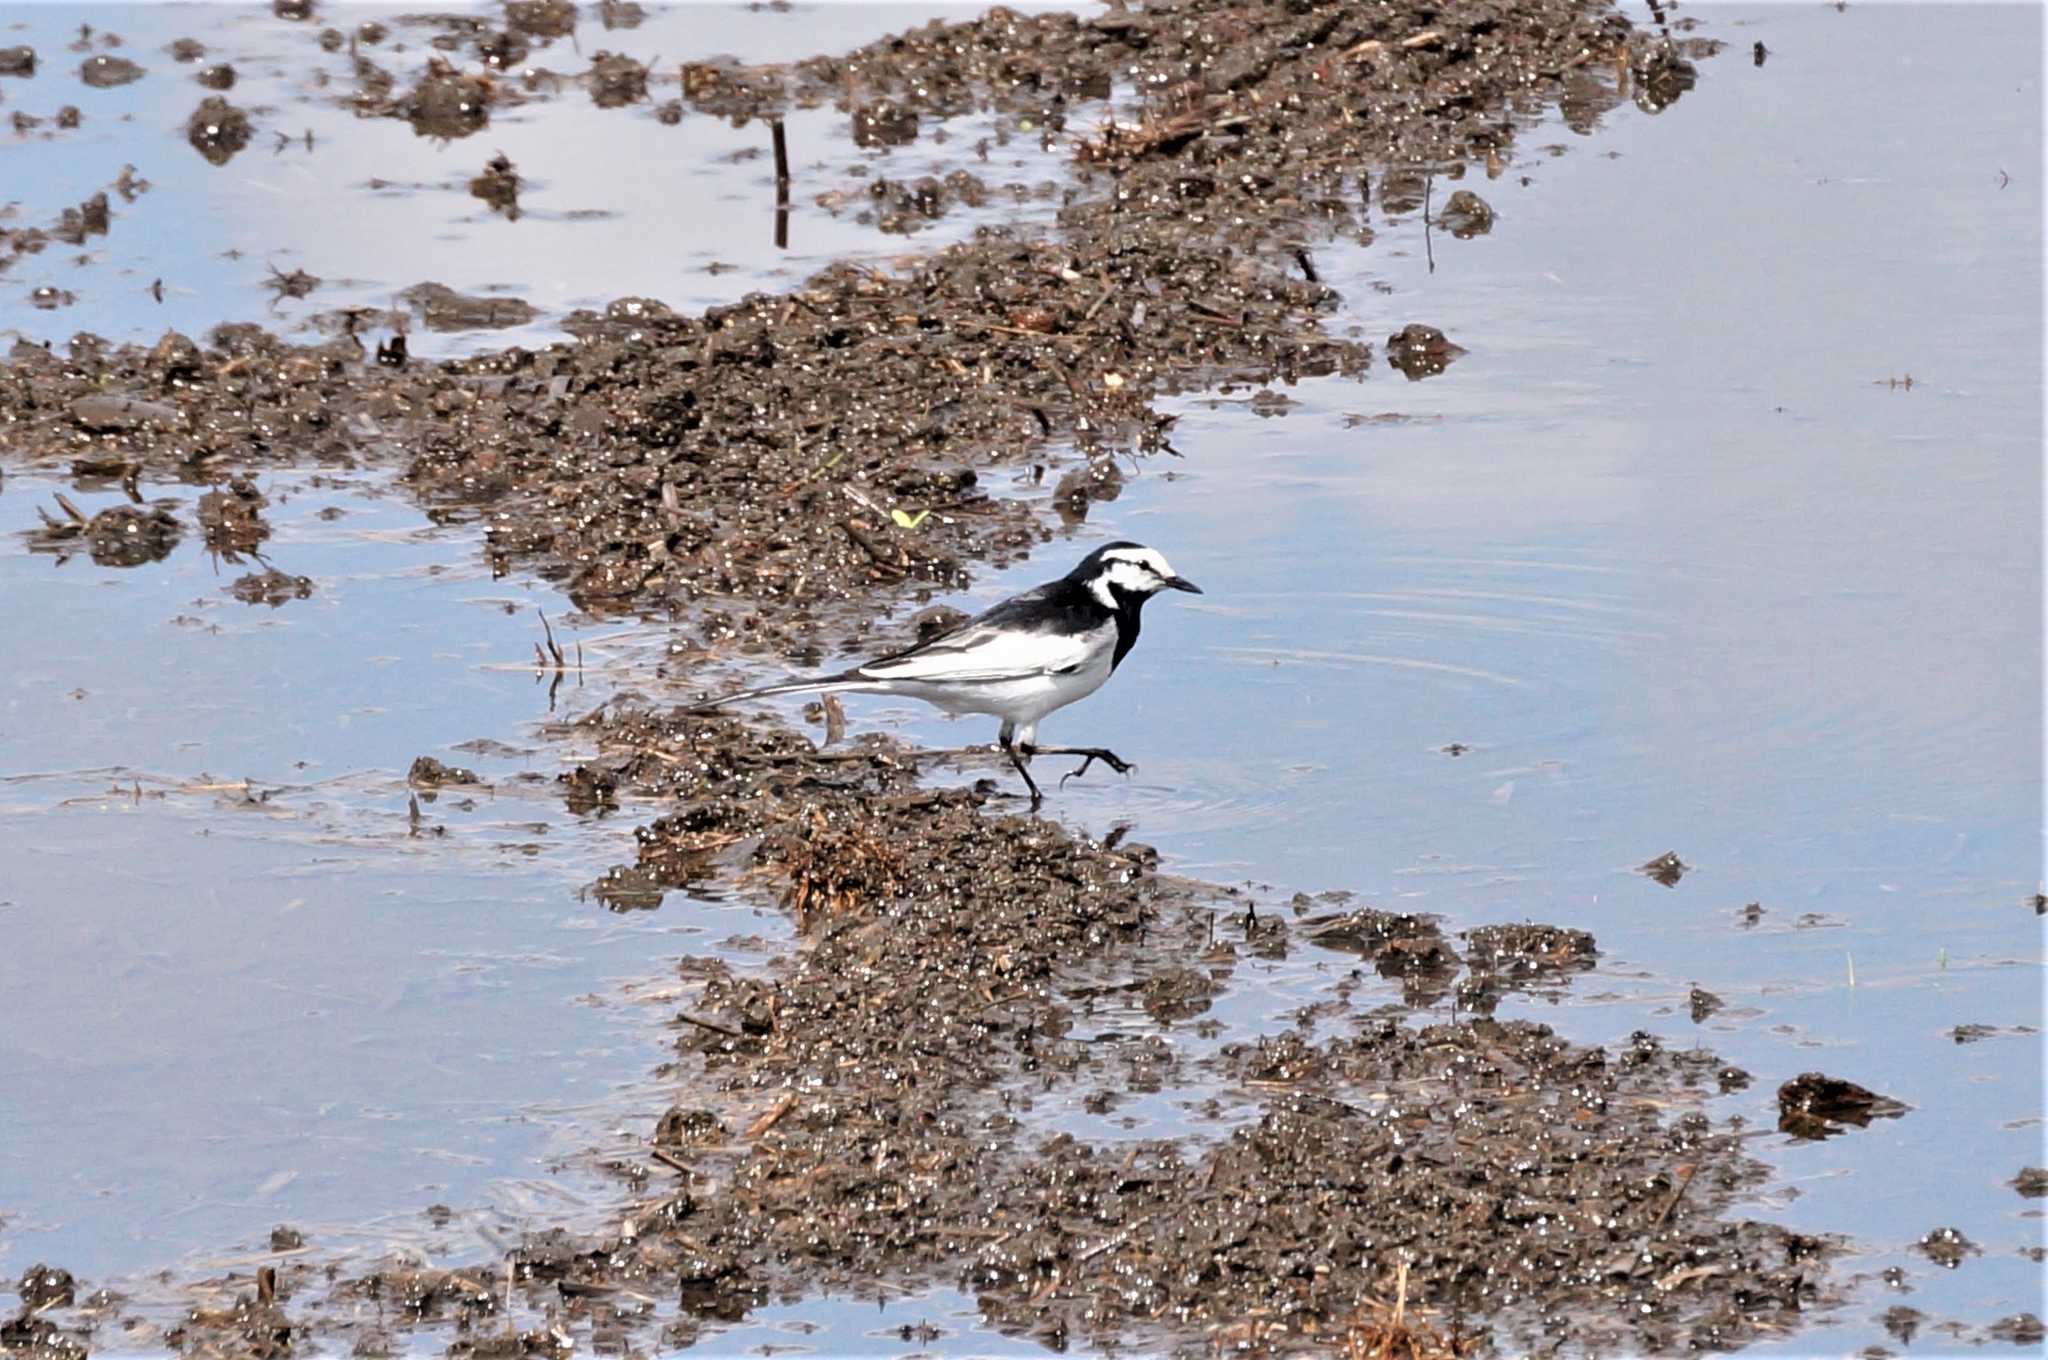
column 1090, row 755
column 1020, row 754
column 1109, row 758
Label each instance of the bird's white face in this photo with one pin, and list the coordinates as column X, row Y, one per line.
column 1135, row 571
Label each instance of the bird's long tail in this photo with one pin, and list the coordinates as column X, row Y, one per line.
column 829, row 684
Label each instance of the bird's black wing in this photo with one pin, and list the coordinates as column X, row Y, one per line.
column 1040, row 631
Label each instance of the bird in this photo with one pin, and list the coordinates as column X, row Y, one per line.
column 1022, row 659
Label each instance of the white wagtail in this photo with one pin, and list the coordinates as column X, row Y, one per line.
column 1029, row 655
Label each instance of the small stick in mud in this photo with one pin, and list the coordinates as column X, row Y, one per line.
column 882, row 556
column 1685, row 1175
column 1118, row 1240
column 1108, row 289
column 774, row 1115
column 711, row 1025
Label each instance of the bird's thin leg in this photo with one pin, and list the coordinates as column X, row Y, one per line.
column 1091, row 754
column 1008, row 739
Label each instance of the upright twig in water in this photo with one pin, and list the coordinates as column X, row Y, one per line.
column 561, row 661
column 554, row 648
column 1428, row 250
column 781, row 140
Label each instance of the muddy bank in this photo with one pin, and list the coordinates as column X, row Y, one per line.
column 859, row 436
column 856, row 1111
column 770, row 476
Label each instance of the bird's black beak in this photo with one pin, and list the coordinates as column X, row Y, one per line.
column 1183, row 583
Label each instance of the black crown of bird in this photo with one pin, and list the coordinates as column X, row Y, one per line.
column 1026, row 657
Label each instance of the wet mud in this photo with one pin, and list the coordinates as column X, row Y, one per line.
column 270, row 587
column 441, row 308
column 75, row 225
column 217, row 129
column 1466, row 215
column 1815, row 1105
column 119, row 536
column 232, row 518
column 1363, row 1165
column 497, row 185
column 1420, row 352
column 1667, row 869
column 104, row 72
column 772, row 476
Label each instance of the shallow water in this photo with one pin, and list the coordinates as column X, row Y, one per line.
column 1673, row 550
column 244, row 987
